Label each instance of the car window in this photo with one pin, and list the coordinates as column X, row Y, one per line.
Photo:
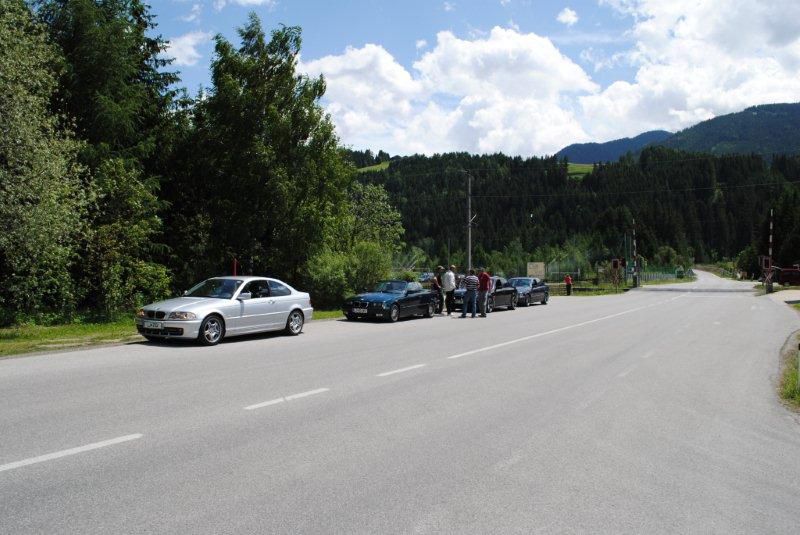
column 277, row 289
column 257, row 289
column 216, row 288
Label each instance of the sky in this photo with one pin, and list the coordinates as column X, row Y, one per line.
column 523, row 77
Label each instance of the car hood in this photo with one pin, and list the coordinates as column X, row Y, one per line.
column 183, row 303
column 376, row 297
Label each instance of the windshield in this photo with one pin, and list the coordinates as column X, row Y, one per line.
column 390, row 287
column 218, row 288
column 521, row 282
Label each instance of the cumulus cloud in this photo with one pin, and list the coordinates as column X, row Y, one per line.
column 184, row 47
column 219, row 4
column 449, row 6
column 696, row 60
column 420, row 44
column 567, row 16
column 509, row 92
column 194, row 14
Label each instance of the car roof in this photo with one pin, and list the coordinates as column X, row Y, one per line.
column 241, row 277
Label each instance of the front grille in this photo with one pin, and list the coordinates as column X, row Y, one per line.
column 169, row 331
column 153, row 314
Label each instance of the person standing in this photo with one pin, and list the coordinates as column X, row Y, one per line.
column 484, row 285
column 436, row 287
column 568, row 283
column 449, row 287
column 471, row 295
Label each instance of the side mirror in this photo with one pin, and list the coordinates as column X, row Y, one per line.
column 244, row 296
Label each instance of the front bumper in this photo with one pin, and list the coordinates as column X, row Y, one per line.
column 187, row 330
column 373, row 311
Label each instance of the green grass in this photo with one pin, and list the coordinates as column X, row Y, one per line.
column 668, row 281
column 579, row 170
column 327, row 314
column 789, row 387
column 30, row 338
column 379, row 167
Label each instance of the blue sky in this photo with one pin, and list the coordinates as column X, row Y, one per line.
column 519, row 76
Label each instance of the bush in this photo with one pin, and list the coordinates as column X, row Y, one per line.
column 370, row 263
column 327, row 278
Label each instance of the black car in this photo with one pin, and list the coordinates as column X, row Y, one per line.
column 531, row 290
column 391, row 300
column 501, row 294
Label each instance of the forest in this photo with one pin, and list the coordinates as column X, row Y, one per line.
column 118, row 187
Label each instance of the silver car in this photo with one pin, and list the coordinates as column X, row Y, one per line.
column 226, row 306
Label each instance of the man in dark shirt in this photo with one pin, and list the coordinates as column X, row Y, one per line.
column 470, row 296
column 484, row 285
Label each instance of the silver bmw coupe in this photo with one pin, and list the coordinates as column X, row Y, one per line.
column 226, row 306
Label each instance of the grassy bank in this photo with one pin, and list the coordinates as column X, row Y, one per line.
column 789, row 386
column 32, row 338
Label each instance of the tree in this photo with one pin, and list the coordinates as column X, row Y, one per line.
column 41, row 201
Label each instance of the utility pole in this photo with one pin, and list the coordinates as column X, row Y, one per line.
column 768, row 275
column 635, row 259
column 469, row 223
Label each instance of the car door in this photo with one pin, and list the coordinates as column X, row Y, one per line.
column 282, row 302
column 254, row 313
column 411, row 301
column 537, row 290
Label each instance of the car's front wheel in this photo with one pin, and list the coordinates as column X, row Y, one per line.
column 513, row 303
column 394, row 313
column 489, row 305
column 429, row 310
column 212, row 330
column 294, row 324
column 545, row 298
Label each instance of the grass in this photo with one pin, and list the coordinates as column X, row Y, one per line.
column 379, row 167
column 789, row 387
column 30, row 338
column 579, row 170
column 668, row 281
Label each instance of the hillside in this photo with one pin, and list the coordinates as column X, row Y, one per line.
column 611, row 150
column 766, row 130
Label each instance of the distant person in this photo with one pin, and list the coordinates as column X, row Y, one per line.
column 436, row 287
column 471, row 295
column 568, row 283
column 484, row 286
column 449, row 287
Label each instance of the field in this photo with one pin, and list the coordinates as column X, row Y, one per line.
column 578, row 170
column 379, row 167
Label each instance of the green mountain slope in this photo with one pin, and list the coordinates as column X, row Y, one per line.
column 611, row 151
column 766, row 130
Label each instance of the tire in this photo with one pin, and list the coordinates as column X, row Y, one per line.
column 294, row 323
column 489, row 305
column 394, row 313
column 545, row 298
column 350, row 317
column 429, row 310
column 152, row 339
column 513, row 304
column 212, row 331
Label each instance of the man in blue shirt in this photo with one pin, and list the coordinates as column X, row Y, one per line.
column 471, row 295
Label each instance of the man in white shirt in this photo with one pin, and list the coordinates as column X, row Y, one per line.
column 449, row 286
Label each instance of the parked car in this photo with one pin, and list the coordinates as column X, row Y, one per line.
column 226, row 306
column 501, row 294
column 530, row 290
column 787, row 276
column 391, row 300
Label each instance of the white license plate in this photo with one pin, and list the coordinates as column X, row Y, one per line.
column 359, row 310
column 152, row 325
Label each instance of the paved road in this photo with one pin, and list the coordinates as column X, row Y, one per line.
column 649, row 412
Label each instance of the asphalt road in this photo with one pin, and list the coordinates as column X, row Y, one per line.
column 649, row 412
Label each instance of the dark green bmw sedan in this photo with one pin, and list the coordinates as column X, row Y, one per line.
column 391, row 300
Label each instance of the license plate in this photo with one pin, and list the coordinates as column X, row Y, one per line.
column 152, row 325
column 359, row 310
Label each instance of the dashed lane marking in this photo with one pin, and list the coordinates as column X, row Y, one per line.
column 287, row 398
column 401, row 370
column 71, row 451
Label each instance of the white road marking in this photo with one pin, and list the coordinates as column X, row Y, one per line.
column 401, row 370
column 287, row 398
column 560, row 329
column 71, row 451
column 626, row 372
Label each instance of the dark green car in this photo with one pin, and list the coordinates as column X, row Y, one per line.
column 391, row 300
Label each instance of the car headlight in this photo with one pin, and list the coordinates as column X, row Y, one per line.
column 182, row 316
column 385, row 304
column 140, row 313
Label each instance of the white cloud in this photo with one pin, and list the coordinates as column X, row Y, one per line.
column 449, row 6
column 567, row 16
column 194, row 14
column 696, row 60
column 219, row 4
column 184, row 47
column 420, row 44
column 507, row 92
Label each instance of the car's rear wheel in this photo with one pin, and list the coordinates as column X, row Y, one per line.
column 489, row 305
column 294, row 323
column 431, row 308
column 212, row 330
column 545, row 298
column 394, row 313
column 513, row 304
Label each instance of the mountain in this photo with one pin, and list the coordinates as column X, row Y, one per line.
column 611, row 150
column 766, row 130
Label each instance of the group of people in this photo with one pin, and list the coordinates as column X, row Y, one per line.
column 477, row 288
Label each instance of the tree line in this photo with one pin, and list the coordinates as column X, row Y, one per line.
column 117, row 187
